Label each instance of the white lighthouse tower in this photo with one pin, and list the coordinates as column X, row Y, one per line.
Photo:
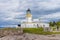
column 28, row 16
column 30, row 23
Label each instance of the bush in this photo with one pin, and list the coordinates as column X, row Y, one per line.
column 35, row 31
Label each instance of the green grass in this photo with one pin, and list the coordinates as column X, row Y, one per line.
column 15, row 29
column 56, row 33
column 36, row 31
column 32, row 31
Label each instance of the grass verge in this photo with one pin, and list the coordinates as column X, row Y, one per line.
column 32, row 31
column 36, row 31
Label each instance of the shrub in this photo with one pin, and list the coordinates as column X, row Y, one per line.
column 35, row 31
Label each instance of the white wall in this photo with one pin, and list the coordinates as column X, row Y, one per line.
column 34, row 25
column 43, row 25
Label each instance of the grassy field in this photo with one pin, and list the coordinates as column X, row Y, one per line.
column 10, row 29
column 36, row 31
column 33, row 31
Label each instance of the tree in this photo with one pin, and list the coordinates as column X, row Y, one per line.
column 58, row 23
column 52, row 23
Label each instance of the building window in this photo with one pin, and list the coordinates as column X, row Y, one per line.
column 43, row 25
column 37, row 25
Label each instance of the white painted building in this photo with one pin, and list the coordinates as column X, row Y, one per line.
column 29, row 23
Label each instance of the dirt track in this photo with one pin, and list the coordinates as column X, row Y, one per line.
column 27, row 36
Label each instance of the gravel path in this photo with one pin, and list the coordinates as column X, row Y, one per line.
column 27, row 36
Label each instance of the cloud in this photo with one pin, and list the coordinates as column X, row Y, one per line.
column 36, row 4
column 13, row 11
column 8, row 26
column 35, row 20
column 51, row 16
column 6, row 5
column 49, row 4
column 12, row 18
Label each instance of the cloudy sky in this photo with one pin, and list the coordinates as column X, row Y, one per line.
column 13, row 11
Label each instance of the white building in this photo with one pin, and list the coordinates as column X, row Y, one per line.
column 29, row 23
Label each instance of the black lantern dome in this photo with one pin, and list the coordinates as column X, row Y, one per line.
column 28, row 10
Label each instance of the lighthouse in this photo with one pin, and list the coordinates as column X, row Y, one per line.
column 28, row 16
column 30, row 23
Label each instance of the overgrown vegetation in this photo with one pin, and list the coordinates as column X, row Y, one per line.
column 53, row 24
column 32, row 31
column 15, row 29
column 36, row 31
